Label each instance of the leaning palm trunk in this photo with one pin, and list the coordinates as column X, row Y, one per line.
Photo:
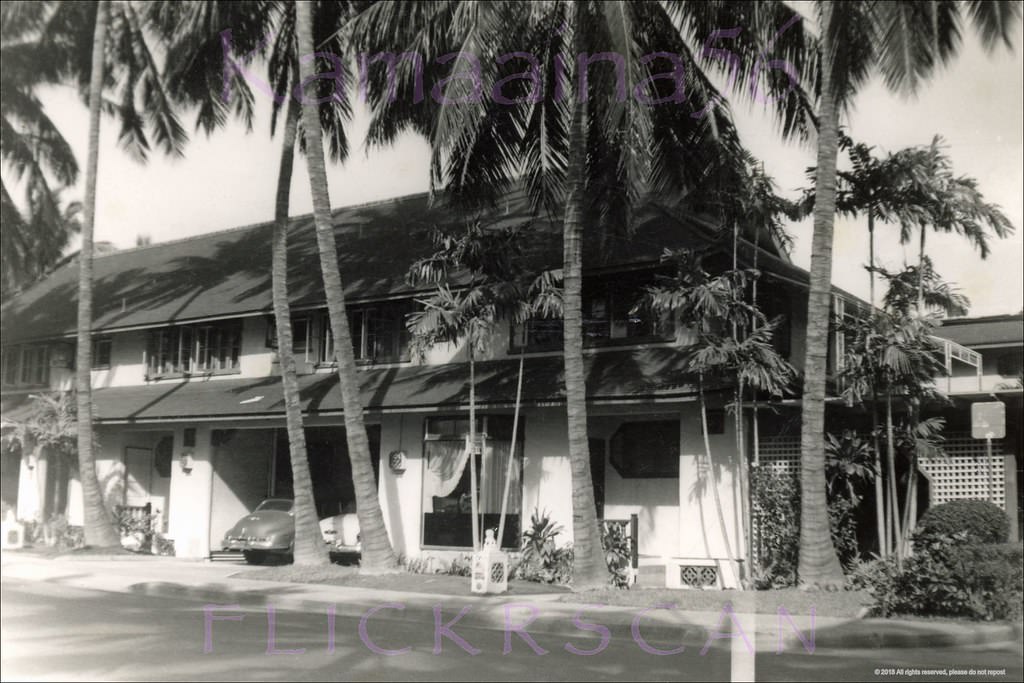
column 741, row 450
column 711, row 479
column 512, row 451
column 99, row 528
column 377, row 553
column 309, row 547
column 589, row 567
column 819, row 564
column 474, row 504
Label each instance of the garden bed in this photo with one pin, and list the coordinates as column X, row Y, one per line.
column 842, row 604
column 434, row 584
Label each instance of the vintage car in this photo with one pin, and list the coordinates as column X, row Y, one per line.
column 269, row 531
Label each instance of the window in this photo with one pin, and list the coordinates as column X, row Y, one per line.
column 447, row 517
column 27, row 366
column 101, row 350
column 1009, row 363
column 302, row 335
column 11, row 364
column 194, row 349
column 646, row 450
column 607, row 317
column 378, row 333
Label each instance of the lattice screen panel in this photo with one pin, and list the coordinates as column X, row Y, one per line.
column 781, row 453
column 965, row 472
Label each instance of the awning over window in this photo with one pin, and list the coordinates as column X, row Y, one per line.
column 642, row 374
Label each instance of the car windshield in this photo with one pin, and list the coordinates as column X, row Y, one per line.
column 276, row 505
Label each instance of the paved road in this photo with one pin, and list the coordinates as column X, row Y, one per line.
column 58, row 633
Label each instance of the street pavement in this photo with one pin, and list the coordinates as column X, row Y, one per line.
column 86, row 620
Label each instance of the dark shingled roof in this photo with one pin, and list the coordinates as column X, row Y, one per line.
column 993, row 329
column 644, row 374
column 228, row 273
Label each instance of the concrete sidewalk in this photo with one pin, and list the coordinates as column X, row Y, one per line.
column 214, row 584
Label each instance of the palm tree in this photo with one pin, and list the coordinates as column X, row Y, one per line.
column 586, row 160
column 893, row 355
column 728, row 347
column 377, row 553
column 103, row 47
column 499, row 290
column 951, row 204
column 857, row 39
column 189, row 29
column 34, row 150
column 267, row 30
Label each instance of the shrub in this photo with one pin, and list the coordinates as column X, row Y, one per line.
column 948, row 576
column 460, row 566
column 543, row 561
column 618, row 553
column 776, row 507
column 142, row 529
column 776, row 511
column 982, row 521
column 55, row 533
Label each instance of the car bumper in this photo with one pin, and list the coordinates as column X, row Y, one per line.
column 238, row 543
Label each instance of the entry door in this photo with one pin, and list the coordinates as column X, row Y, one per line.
column 138, row 476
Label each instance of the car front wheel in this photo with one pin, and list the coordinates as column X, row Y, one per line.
column 254, row 556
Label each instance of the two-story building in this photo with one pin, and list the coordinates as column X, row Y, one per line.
column 984, row 359
column 189, row 411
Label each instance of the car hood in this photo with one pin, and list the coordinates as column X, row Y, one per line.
column 264, row 523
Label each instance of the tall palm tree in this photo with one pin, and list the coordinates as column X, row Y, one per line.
column 856, row 40
column 104, row 48
column 586, row 160
column 262, row 30
column 378, row 555
column 195, row 78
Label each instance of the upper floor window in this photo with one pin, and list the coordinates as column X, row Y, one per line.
column 26, row 365
column 607, row 317
column 378, row 333
column 101, row 350
column 194, row 349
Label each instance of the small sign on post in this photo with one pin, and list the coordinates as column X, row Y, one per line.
column 988, row 421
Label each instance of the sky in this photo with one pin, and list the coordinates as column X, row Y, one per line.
column 229, row 179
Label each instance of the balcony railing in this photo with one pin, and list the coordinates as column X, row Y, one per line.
column 951, row 351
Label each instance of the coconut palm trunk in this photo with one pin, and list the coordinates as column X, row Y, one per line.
column 377, row 553
column 309, row 547
column 819, row 563
column 99, row 527
column 589, row 567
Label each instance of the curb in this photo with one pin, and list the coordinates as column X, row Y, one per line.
column 554, row 618
column 872, row 634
